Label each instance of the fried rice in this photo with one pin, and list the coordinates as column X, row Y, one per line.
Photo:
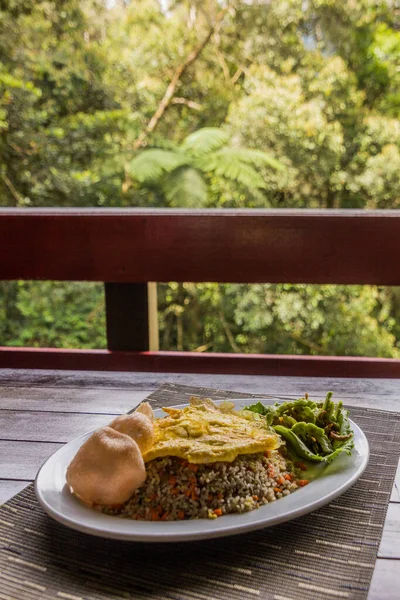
column 175, row 489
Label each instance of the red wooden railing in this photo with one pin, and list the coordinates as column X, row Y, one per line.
column 128, row 248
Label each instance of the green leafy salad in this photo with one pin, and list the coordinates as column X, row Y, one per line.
column 315, row 431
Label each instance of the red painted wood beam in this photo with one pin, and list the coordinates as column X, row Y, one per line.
column 192, row 362
column 243, row 246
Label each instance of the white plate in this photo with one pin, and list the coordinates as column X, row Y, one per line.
column 56, row 499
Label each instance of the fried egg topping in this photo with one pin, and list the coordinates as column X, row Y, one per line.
column 205, row 433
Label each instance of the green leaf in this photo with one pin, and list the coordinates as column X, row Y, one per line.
column 256, row 158
column 186, row 188
column 258, row 408
column 204, row 140
column 150, row 165
column 227, row 163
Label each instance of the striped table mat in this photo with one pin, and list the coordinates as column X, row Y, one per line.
column 330, row 553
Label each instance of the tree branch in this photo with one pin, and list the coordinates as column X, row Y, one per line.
column 237, row 74
column 179, row 71
column 222, row 62
column 228, row 332
column 307, row 343
column 14, row 192
column 203, row 348
column 186, row 102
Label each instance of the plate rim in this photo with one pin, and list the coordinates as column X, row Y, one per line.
column 169, row 536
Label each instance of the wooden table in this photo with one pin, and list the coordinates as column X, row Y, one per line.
column 41, row 410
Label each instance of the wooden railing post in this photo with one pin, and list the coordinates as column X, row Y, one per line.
column 127, row 316
column 154, row 337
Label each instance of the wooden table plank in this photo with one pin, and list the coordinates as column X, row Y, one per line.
column 390, row 544
column 395, row 497
column 100, row 400
column 365, row 392
column 385, row 584
column 375, row 393
column 8, row 489
column 48, row 427
column 71, row 400
column 22, row 460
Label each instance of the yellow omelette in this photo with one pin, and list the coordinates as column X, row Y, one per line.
column 204, row 433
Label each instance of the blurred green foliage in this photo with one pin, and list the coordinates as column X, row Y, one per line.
column 52, row 314
column 288, row 104
column 283, row 319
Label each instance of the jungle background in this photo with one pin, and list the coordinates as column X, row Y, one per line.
column 203, row 104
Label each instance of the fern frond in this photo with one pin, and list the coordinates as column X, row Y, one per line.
column 228, row 163
column 159, row 141
column 185, row 188
column 254, row 158
column 204, row 140
column 150, row 165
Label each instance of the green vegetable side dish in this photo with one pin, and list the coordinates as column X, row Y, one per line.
column 315, row 431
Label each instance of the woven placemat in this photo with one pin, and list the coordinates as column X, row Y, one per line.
column 329, row 553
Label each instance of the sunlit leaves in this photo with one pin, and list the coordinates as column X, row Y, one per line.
column 150, row 165
column 227, row 163
column 185, row 188
column 296, row 319
column 204, row 141
column 185, row 174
